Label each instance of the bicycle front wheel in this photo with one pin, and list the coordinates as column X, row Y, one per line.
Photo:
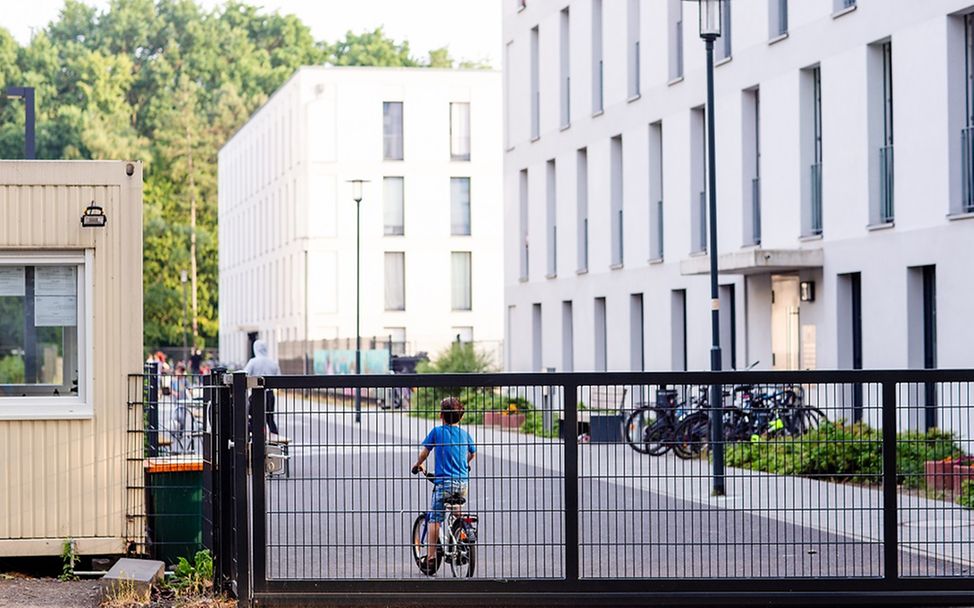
column 419, row 540
column 691, row 435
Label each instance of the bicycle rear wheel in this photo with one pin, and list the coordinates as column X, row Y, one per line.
column 647, row 432
column 463, row 562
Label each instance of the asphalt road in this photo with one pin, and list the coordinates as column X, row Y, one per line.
column 346, row 510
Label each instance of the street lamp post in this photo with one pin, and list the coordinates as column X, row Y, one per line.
column 27, row 94
column 183, row 279
column 357, row 197
column 710, row 23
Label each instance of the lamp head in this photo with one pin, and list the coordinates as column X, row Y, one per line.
column 94, row 216
column 183, row 276
column 357, row 189
column 710, row 18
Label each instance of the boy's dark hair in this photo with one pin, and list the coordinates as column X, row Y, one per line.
column 451, row 409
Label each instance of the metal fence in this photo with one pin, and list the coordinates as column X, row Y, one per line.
column 598, row 487
column 167, row 453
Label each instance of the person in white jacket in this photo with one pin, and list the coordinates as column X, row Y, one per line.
column 262, row 365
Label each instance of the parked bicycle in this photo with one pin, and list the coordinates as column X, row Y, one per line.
column 457, row 537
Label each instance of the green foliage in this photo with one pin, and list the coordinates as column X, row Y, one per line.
column 966, row 498
column 11, row 369
column 459, row 358
column 68, row 558
column 195, row 577
column 844, row 452
column 167, row 82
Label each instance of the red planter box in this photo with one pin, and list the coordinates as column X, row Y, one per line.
column 962, row 473
column 939, row 474
column 948, row 476
column 503, row 420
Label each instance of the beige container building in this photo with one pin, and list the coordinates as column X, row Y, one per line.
column 70, row 333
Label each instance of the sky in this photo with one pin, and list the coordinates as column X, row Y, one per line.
column 470, row 28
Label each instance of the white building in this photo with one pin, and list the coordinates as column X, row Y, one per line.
column 429, row 143
column 605, row 169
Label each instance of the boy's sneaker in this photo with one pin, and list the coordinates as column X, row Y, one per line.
column 428, row 567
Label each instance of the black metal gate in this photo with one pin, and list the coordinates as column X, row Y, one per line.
column 319, row 509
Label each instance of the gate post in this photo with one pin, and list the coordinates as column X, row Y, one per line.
column 570, row 471
column 241, row 515
column 258, row 518
column 216, row 468
column 890, row 517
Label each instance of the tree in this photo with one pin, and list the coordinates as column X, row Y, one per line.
column 167, row 82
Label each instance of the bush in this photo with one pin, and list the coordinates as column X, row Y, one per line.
column 459, row 358
column 967, row 495
column 844, row 452
column 11, row 370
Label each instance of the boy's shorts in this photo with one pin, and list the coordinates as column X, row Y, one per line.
column 441, row 491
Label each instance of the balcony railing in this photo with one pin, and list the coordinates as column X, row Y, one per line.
column 553, row 252
column 566, row 102
column 702, row 223
column 658, row 251
column 634, row 89
column 967, row 150
column 536, row 115
column 815, row 225
column 583, row 252
column 679, row 50
column 886, row 184
column 782, row 17
column 756, row 211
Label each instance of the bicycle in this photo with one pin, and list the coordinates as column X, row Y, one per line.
column 457, row 539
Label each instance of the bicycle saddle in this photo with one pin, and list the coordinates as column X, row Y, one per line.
column 454, row 500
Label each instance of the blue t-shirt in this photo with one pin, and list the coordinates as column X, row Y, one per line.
column 450, row 446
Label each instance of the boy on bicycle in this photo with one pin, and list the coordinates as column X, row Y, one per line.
column 454, row 450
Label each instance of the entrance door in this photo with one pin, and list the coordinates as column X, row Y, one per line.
column 784, row 322
column 251, row 338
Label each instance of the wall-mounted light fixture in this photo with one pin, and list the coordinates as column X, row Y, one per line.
column 807, row 291
column 94, row 216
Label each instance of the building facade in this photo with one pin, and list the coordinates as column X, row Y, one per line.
column 428, row 142
column 833, row 252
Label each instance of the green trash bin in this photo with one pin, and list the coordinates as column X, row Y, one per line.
column 174, row 495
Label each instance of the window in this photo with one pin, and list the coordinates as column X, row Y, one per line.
column 395, row 280
column 678, row 325
column 508, row 91
column 723, row 44
column 460, row 131
column 839, row 6
column 397, row 340
column 567, row 337
column 535, row 86
column 551, row 220
column 751, row 156
column 581, row 204
column 598, row 70
column 460, row 206
column 536, row 340
column 633, row 25
column 615, row 198
column 881, row 131
column 967, row 134
column 637, row 338
column 777, row 18
column 392, row 144
column 463, row 334
column 698, row 179
column 460, row 291
column 523, row 220
column 675, row 16
column 43, row 334
column 392, row 206
column 601, row 331
column 811, row 112
column 564, row 51
column 728, row 326
column 656, row 191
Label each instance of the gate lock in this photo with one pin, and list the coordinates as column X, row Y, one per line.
column 275, row 459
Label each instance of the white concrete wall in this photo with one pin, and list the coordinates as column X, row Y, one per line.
column 927, row 40
column 284, row 199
